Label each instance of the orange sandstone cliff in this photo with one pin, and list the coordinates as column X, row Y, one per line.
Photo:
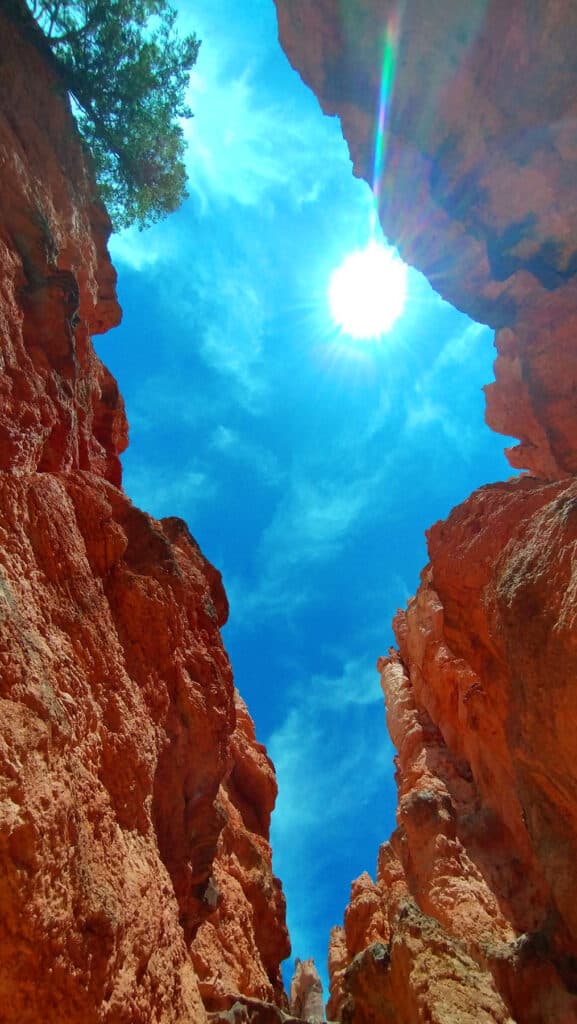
column 472, row 916
column 135, row 870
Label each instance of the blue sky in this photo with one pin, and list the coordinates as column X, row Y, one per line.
column 307, row 466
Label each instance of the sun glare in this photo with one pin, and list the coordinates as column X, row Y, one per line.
column 368, row 291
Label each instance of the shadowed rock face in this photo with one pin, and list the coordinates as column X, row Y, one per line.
column 477, row 188
column 135, row 802
column 134, row 799
column 472, row 915
column 59, row 407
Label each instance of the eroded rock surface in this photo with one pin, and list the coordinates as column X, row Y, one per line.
column 306, row 992
column 473, row 890
column 478, row 184
column 471, row 915
column 245, row 899
column 134, row 798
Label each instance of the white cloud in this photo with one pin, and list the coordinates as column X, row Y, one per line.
column 260, row 461
column 320, row 749
column 334, row 766
column 357, row 684
column 434, row 404
column 142, row 250
column 424, row 412
column 231, row 142
column 325, row 770
column 163, row 495
column 157, row 407
column 315, row 518
column 241, row 146
column 441, row 420
column 231, row 340
column 399, row 588
column 457, row 349
column 266, row 597
column 220, row 301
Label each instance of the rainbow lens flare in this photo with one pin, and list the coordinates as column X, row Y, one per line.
column 390, row 51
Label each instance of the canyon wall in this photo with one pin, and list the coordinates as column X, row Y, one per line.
column 135, row 802
column 472, row 915
column 136, row 880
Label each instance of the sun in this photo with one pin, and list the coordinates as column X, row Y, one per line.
column 368, row 291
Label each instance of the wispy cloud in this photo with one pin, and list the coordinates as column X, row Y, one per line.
column 312, row 732
column 434, row 402
column 232, row 332
column 334, row 766
column 156, row 407
column 142, row 250
column 461, row 344
column 259, row 460
column 357, row 684
column 315, row 519
column 424, row 412
column 241, row 147
column 163, row 494
column 213, row 291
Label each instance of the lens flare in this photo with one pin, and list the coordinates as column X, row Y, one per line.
column 367, row 292
column 390, row 51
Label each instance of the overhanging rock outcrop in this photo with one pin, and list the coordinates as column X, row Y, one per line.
column 477, row 186
column 134, row 799
column 471, row 916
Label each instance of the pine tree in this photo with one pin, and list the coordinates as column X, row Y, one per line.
column 126, row 69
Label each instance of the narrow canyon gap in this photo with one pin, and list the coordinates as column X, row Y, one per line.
column 307, row 466
column 136, row 874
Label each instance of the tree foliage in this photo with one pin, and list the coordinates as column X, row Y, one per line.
column 127, row 71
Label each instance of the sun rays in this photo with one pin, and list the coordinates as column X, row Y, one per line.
column 367, row 292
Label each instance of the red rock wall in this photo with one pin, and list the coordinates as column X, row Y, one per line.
column 135, row 801
column 239, row 947
column 472, row 915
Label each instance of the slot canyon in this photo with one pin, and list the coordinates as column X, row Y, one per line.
column 147, row 894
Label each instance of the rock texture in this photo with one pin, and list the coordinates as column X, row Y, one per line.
column 472, row 914
column 306, row 992
column 240, row 945
column 136, row 882
column 477, row 189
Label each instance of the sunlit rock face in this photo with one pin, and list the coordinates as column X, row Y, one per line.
column 59, row 407
column 472, row 915
column 135, row 801
column 477, row 180
column 306, row 992
column 239, row 947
